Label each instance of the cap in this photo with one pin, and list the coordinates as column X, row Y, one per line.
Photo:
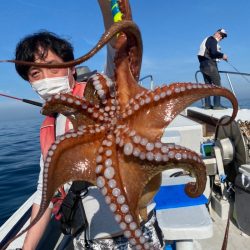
column 83, row 73
column 222, row 32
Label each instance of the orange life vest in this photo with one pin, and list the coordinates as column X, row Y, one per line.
column 47, row 138
column 47, row 130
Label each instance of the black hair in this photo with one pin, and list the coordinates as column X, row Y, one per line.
column 31, row 45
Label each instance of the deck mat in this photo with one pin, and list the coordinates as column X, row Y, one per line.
column 174, row 196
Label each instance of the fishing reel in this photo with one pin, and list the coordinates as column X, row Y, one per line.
column 233, row 141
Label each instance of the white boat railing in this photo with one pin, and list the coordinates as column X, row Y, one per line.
column 53, row 239
column 228, row 74
column 15, row 223
column 151, row 81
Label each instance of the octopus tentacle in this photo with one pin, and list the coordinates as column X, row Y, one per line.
column 162, row 105
column 110, row 183
column 62, row 148
column 125, row 10
column 60, row 167
column 126, row 26
column 167, row 153
column 79, row 111
column 101, row 87
column 75, row 163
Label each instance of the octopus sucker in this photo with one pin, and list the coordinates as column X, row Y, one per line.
column 109, row 181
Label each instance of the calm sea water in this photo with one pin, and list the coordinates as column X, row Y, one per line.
column 19, row 161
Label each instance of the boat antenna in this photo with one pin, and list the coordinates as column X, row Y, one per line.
column 39, row 104
column 238, row 72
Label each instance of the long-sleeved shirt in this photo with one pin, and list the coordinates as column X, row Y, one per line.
column 209, row 50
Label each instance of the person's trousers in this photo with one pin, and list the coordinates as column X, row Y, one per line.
column 211, row 75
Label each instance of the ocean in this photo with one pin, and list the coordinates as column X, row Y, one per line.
column 19, row 159
column 19, row 162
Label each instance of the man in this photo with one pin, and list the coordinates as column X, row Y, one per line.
column 103, row 231
column 208, row 56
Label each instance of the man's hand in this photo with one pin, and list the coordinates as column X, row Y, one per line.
column 225, row 58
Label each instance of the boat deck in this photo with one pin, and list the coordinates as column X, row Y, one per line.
column 236, row 239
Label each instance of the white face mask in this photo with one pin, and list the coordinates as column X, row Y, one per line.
column 50, row 86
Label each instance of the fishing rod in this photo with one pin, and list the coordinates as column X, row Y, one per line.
column 238, row 72
column 39, row 104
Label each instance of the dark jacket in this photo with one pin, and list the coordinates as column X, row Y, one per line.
column 209, row 50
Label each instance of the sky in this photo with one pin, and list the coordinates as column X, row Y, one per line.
column 171, row 32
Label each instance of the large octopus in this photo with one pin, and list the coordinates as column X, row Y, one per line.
column 116, row 140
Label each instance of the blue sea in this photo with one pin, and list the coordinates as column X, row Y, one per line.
column 19, row 157
column 19, row 162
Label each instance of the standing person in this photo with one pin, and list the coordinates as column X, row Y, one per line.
column 208, row 56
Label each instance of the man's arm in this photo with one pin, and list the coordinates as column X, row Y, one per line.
column 211, row 45
column 35, row 234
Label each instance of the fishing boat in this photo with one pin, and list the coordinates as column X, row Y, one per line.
column 187, row 223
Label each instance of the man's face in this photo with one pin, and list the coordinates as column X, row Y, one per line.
column 37, row 73
column 219, row 36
